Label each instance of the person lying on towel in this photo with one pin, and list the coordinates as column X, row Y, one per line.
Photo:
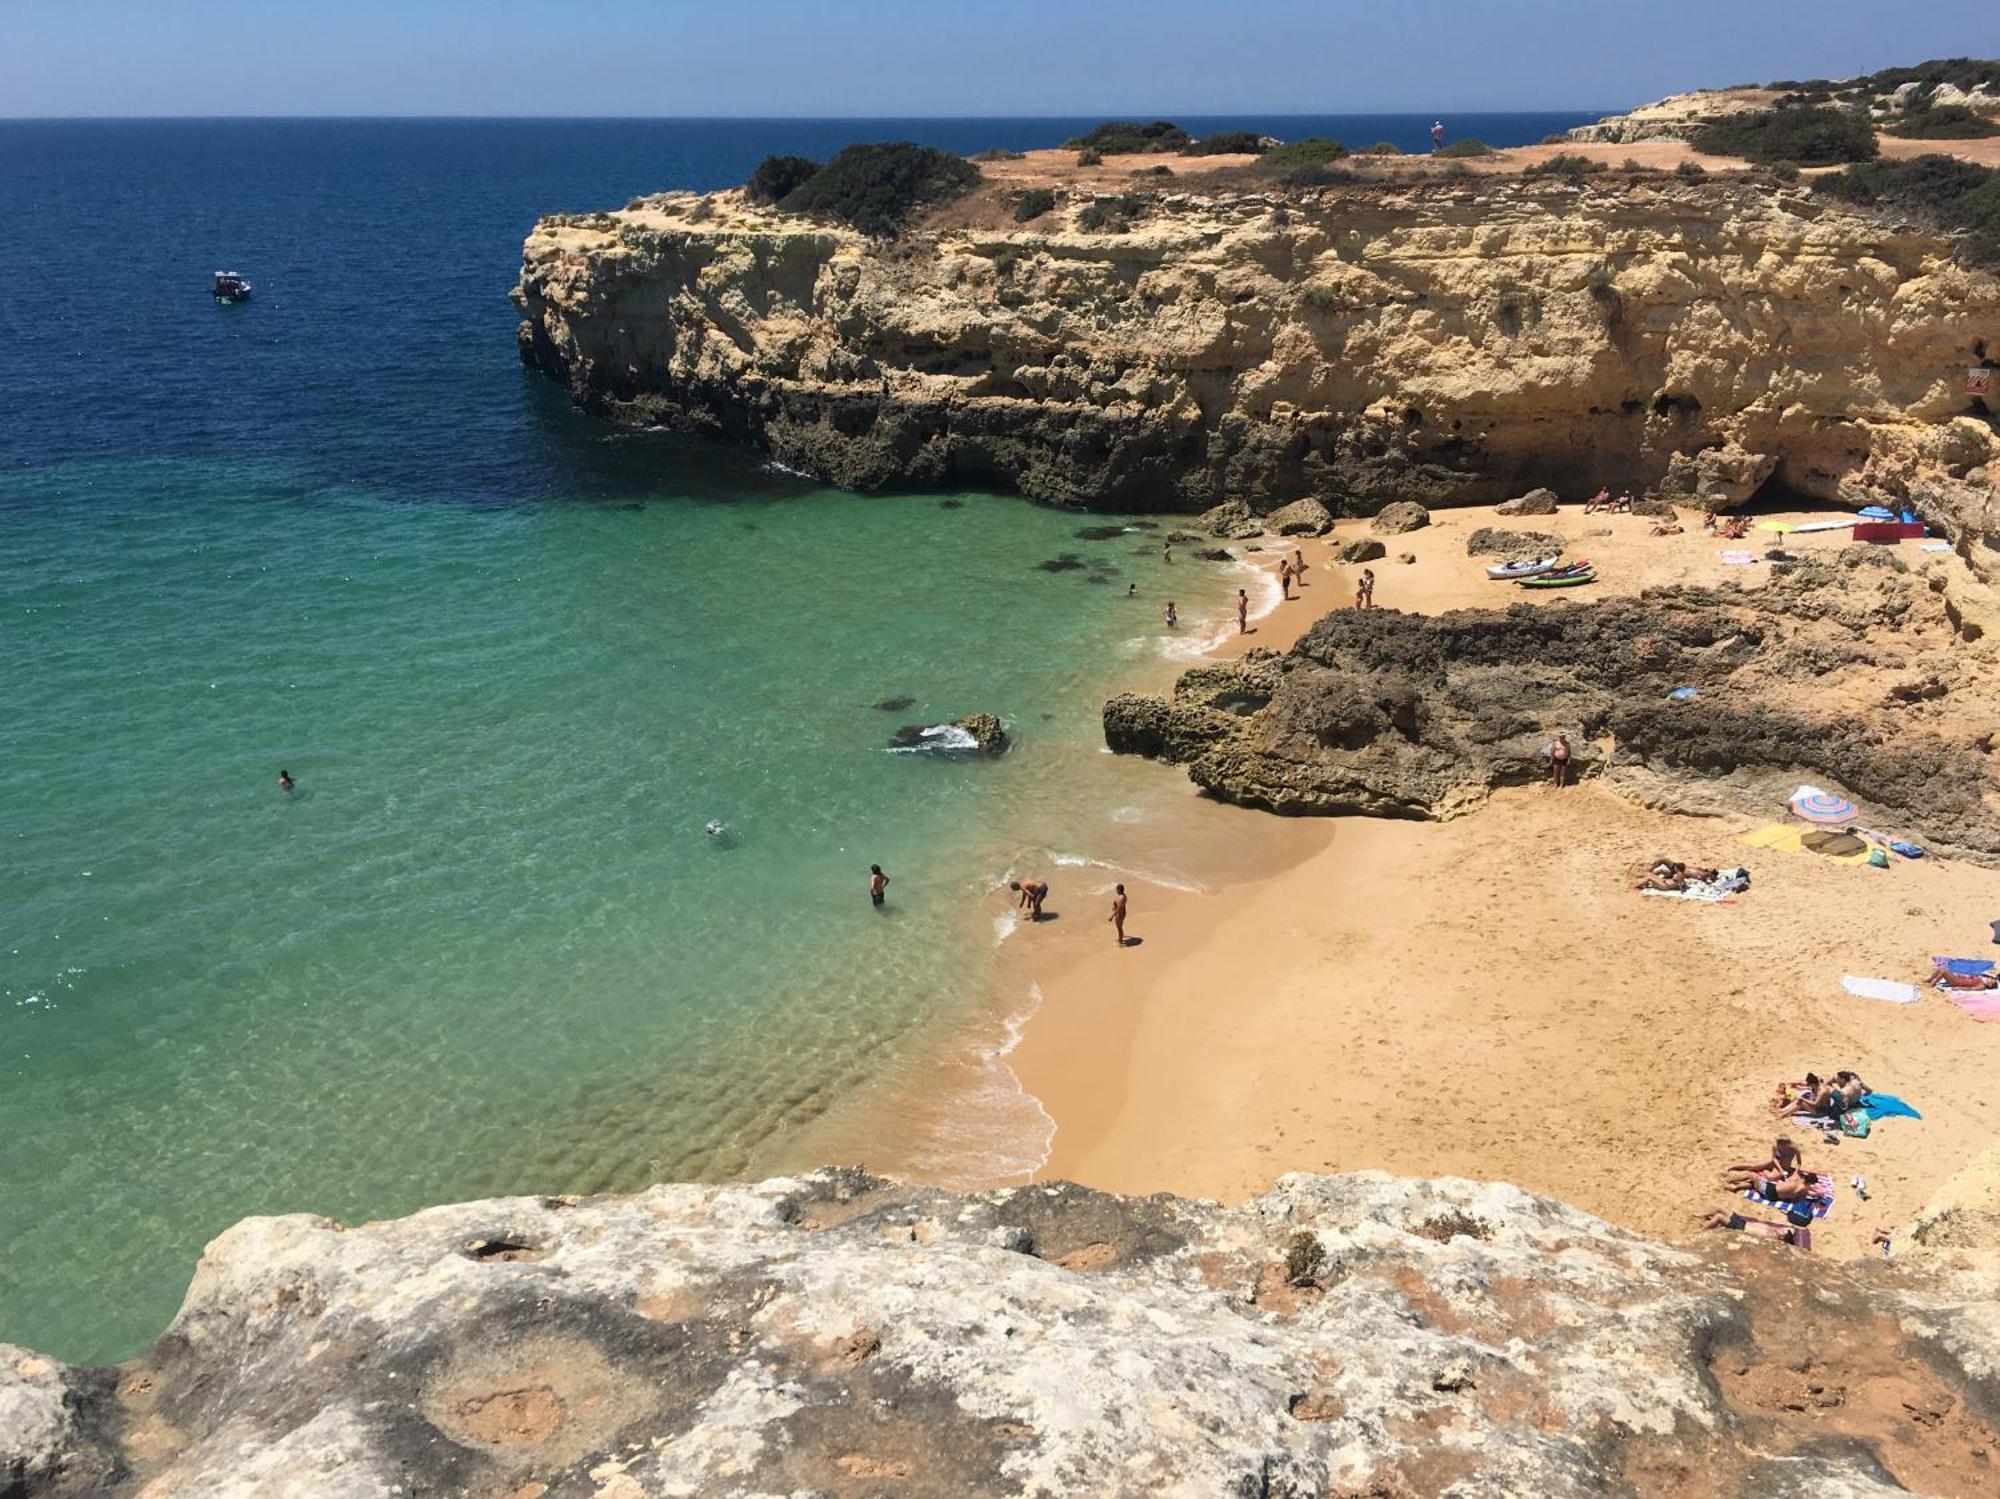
column 1792, row 1234
column 1943, row 978
column 1670, row 874
column 1785, row 1161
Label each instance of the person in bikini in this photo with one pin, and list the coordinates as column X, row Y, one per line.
column 1242, row 612
column 1802, row 1100
column 1785, row 1162
column 878, row 884
column 1118, row 913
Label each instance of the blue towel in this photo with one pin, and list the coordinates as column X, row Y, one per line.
column 1887, row 1106
column 1971, row 968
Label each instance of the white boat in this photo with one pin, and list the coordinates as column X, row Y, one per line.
column 1506, row 572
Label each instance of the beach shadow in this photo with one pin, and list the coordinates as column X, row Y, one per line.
column 1132, row 942
column 1046, row 916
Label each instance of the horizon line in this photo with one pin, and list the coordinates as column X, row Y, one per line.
column 777, row 119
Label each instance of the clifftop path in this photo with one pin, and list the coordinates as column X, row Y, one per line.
column 1429, row 338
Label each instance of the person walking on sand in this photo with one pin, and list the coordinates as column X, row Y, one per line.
column 1559, row 758
column 1364, row 590
column 1299, row 568
column 1242, row 612
column 1118, row 913
column 878, row 884
column 1173, row 615
column 1032, row 892
column 1437, row 136
column 1285, row 579
column 285, row 782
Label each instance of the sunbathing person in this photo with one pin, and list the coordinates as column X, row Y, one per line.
column 1808, row 1097
column 1943, row 978
column 1734, row 529
column 1799, row 1238
column 1785, row 1161
column 1666, row 528
column 1848, row 1091
column 1795, row 1186
column 1666, row 874
column 1599, row 501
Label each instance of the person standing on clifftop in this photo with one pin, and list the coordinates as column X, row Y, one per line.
column 1437, row 136
column 1242, row 612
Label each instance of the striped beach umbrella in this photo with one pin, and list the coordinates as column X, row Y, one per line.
column 1815, row 805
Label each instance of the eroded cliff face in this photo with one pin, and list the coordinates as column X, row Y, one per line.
column 1438, row 341
column 835, row 1334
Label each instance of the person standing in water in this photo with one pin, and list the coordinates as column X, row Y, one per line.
column 1242, row 612
column 878, row 884
column 1285, row 579
column 1032, row 892
column 1167, row 551
column 1173, row 615
column 1118, row 913
column 285, row 782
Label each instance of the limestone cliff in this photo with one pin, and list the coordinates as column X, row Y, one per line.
column 839, row 1335
column 1422, row 338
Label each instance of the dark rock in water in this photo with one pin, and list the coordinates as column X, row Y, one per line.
column 1189, row 537
column 974, row 734
column 1099, row 533
column 1215, row 554
column 1387, row 714
column 1366, row 549
column 1066, row 562
column 895, row 704
column 951, row 504
column 1499, row 541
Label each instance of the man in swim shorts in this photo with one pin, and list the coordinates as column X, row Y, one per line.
column 1032, row 892
column 878, row 884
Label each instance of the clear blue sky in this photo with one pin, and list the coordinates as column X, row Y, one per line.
column 936, row 57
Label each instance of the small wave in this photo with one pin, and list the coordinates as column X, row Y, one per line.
column 999, row 1131
column 1179, row 882
column 1004, row 926
column 943, row 738
column 1128, row 814
column 776, row 466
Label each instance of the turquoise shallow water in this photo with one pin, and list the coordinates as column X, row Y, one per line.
column 487, row 946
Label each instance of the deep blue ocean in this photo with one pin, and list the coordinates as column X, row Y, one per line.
column 516, row 661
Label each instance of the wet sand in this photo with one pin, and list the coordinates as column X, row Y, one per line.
column 1489, row 997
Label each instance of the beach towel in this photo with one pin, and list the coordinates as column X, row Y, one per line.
column 1886, row 1106
column 1979, row 1005
column 1734, row 558
column 1887, row 989
column 1727, row 883
column 1933, row 546
column 1818, row 1202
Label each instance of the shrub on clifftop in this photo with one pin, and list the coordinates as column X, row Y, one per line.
column 1313, row 151
column 1466, row 147
column 1035, row 202
column 778, row 175
column 1131, row 138
column 1946, row 122
column 1226, row 143
column 876, row 187
column 1942, row 190
column 1808, row 137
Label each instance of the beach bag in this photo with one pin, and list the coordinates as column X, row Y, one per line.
column 1855, row 1122
column 1878, row 858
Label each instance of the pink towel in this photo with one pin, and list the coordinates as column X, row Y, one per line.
column 1979, row 1006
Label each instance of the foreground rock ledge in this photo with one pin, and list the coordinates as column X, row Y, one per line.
column 837, row 1334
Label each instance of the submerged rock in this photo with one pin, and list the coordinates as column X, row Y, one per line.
column 895, row 704
column 836, row 1334
column 975, row 734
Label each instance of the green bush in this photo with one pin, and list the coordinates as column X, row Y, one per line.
column 1314, row 150
column 1568, row 164
column 1317, row 174
column 1384, row 148
column 1941, row 190
column 1102, row 218
column 1809, row 137
column 1691, row 171
column 997, row 153
column 877, row 187
column 776, row 176
column 1090, row 156
column 1131, row 138
column 1226, row 143
column 1162, row 170
column 1785, row 171
column 1035, row 202
column 1949, row 122
column 1466, row 147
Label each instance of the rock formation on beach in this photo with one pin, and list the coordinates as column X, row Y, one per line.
column 836, row 1334
column 1861, row 674
column 1408, row 338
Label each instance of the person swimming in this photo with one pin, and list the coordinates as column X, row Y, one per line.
column 285, row 782
column 717, row 828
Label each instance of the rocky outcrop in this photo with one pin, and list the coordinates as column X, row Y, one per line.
column 1507, row 542
column 1534, row 502
column 1858, row 675
column 835, row 1334
column 1435, row 341
column 1361, row 549
column 1400, row 517
column 1674, row 118
column 1300, row 518
column 975, row 734
column 1715, row 478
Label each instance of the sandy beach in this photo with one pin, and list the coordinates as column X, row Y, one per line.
column 1490, row 997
